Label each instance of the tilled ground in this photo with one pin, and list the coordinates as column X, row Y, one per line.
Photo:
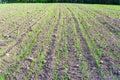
column 59, row 42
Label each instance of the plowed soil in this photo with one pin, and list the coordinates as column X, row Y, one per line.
column 59, row 42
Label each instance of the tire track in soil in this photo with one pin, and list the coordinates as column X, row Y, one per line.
column 17, row 21
column 23, row 35
column 74, row 72
column 24, row 23
column 19, row 27
column 13, row 32
column 92, row 66
column 49, row 66
column 13, row 11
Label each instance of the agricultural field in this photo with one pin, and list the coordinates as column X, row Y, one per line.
column 59, row 42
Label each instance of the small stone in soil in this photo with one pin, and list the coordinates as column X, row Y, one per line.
column 30, row 59
column 7, row 54
column 44, row 61
column 101, row 62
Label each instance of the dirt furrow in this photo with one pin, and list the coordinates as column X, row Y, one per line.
column 49, row 66
column 60, row 70
column 62, row 60
column 92, row 66
column 74, row 72
column 91, row 62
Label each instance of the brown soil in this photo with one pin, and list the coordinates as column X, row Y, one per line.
column 71, row 58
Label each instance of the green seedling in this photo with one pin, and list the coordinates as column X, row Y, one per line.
column 2, row 77
column 38, row 54
column 81, row 68
column 42, row 61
